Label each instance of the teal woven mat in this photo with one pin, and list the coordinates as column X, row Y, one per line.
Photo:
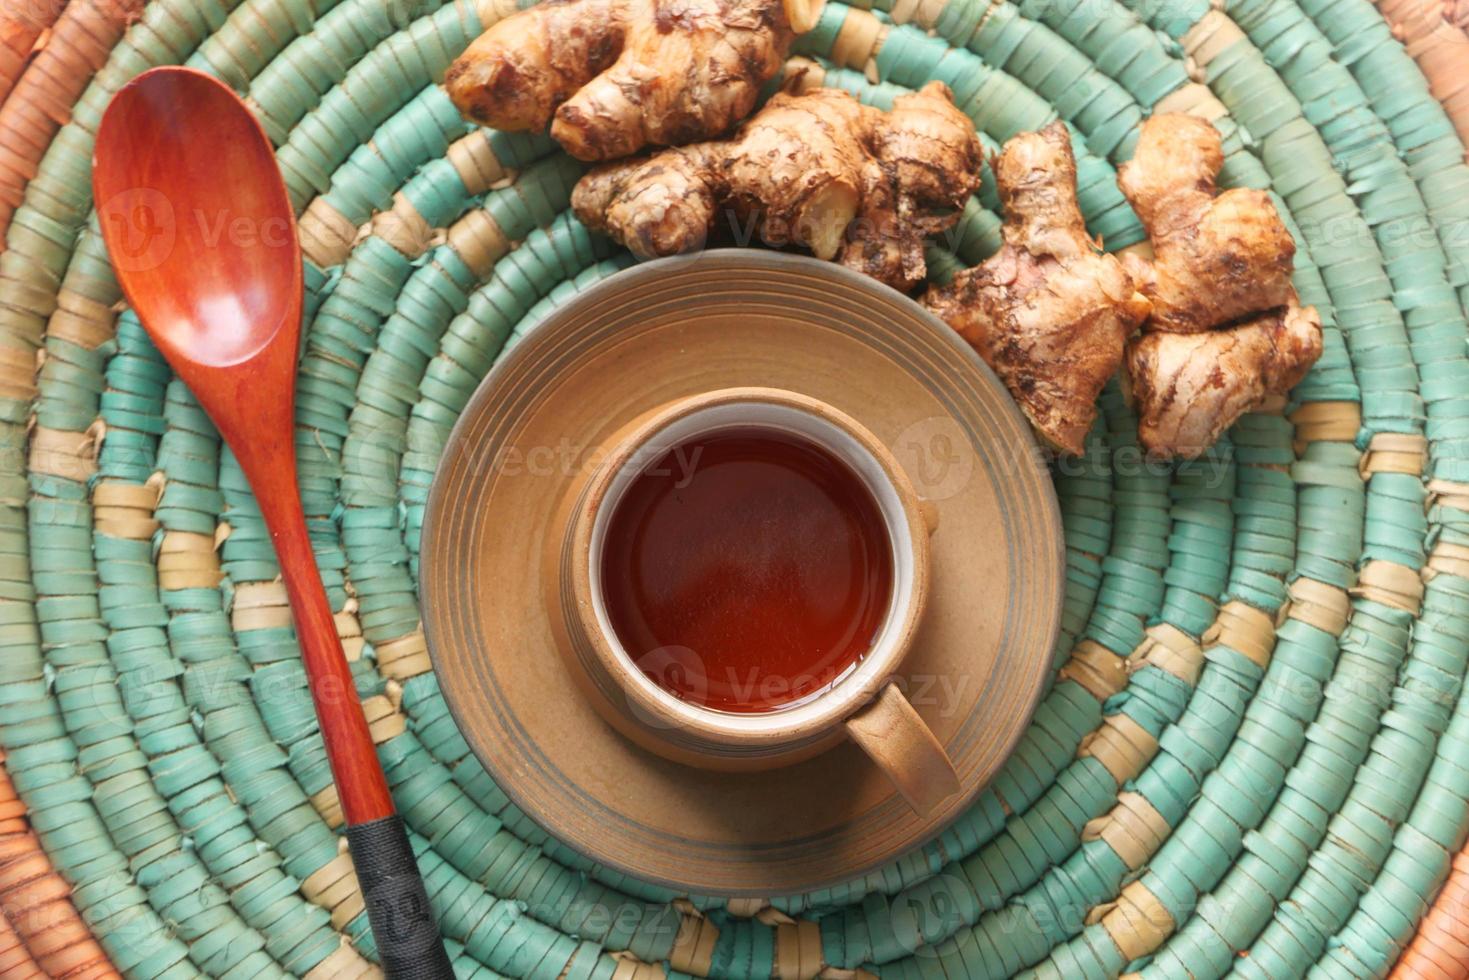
column 1256, row 742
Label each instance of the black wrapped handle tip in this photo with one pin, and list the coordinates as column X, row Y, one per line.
column 403, row 924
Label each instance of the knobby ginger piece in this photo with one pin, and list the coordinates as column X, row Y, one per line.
column 1188, row 388
column 613, row 76
column 1050, row 312
column 1193, row 386
column 1218, row 258
column 1227, row 330
column 819, row 170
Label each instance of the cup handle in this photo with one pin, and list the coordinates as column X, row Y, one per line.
column 905, row 749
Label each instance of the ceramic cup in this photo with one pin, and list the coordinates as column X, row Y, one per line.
column 864, row 705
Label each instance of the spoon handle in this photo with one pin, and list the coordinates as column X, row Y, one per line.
column 403, row 923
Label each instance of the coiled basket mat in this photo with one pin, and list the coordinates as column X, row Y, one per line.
column 1254, row 758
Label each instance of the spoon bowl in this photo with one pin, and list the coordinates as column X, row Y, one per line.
column 193, row 207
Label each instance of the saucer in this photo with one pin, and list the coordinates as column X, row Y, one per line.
column 680, row 326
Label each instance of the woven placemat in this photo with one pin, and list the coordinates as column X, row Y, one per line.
column 1254, row 758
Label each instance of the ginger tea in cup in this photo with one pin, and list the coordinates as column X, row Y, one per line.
column 746, row 569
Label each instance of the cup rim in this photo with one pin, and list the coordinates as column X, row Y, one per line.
column 803, row 719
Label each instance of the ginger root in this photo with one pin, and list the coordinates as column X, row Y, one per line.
column 1226, row 329
column 1193, row 386
column 819, row 170
column 1217, row 259
column 617, row 75
column 1050, row 312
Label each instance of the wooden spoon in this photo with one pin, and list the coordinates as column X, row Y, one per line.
column 203, row 241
